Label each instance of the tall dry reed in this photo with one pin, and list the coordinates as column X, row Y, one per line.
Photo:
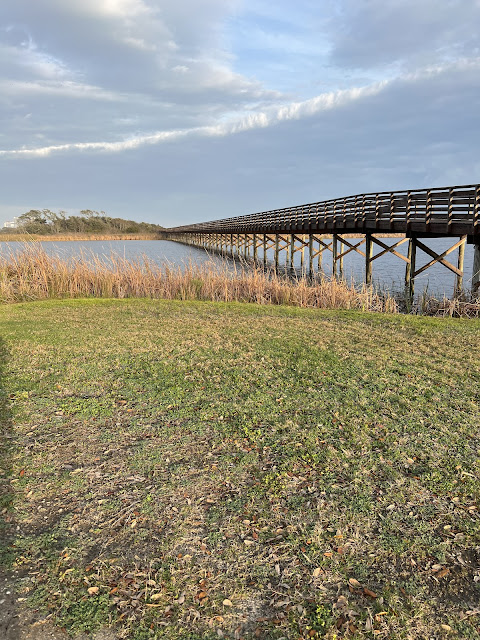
column 463, row 306
column 68, row 237
column 31, row 274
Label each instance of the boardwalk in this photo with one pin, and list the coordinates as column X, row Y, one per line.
column 414, row 215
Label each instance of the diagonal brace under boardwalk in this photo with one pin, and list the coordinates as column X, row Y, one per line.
column 439, row 257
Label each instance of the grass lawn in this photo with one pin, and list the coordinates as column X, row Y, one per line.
column 199, row 470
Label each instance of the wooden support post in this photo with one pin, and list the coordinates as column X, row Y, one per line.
column 476, row 270
column 408, row 267
column 335, row 254
column 302, row 254
column 320, row 254
column 460, row 264
column 292, row 250
column 368, row 258
column 264, row 250
column 255, row 256
column 310, row 255
column 277, row 251
column 340, row 260
column 410, row 270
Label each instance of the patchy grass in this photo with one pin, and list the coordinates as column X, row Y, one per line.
column 203, row 470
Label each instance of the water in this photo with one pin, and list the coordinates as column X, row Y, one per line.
column 388, row 271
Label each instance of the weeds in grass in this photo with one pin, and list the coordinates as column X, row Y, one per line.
column 243, row 471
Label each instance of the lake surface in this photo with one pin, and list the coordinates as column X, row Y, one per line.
column 388, row 271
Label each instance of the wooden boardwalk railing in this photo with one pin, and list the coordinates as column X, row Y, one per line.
column 439, row 211
column 415, row 214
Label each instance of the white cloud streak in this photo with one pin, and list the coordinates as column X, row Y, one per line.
column 261, row 120
column 294, row 111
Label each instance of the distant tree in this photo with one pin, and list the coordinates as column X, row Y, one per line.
column 34, row 215
column 88, row 221
column 33, row 221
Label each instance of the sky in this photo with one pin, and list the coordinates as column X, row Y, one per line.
column 179, row 111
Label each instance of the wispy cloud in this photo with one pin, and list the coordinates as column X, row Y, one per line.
column 293, row 111
column 62, row 88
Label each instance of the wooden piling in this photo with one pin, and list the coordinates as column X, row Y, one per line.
column 476, row 270
column 408, row 266
column 310, row 255
column 460, row 266
column 410, row 270
column 320, row 254
column 277, row 251
column 335, row 255
column 292, row 251
column 340, row 259
column 368, row 258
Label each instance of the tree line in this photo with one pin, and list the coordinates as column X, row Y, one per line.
column 44, row 222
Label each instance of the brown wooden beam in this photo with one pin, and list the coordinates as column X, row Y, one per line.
column 390, row 249
column 438, row 257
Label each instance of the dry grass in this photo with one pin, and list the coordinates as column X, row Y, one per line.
column 461, row 307
column 26, row 237
column 34, row 275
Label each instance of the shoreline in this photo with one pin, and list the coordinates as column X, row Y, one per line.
column 79, row 237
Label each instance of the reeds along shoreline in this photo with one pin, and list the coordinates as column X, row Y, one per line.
column 31, row 274
column 64, row 237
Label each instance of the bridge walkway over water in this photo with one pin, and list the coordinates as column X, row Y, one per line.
column 352, row 222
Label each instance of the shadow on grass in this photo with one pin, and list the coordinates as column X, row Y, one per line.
column 8, row 608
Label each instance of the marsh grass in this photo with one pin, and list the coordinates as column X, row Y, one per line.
column 68, row 237
column 462, row 306
column 32, row 274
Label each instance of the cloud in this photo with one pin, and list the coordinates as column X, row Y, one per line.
column 293, row 111
column 86, row 69
column 130, row 44
column 369, row 34
column 58, row 88
column 263, row 119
